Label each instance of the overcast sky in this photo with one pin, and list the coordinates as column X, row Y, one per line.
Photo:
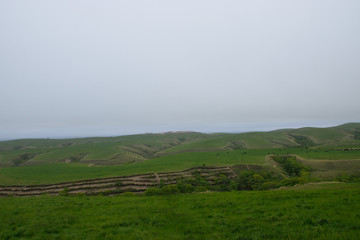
column 75, row 68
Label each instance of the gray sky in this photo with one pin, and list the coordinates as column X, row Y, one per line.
column 86, row 68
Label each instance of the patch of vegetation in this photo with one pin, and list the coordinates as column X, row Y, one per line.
column 74, row 158
column 22, row 158
column 235, row 145
column 196, row 183
column 349, row 178
column 357, row 135
column 297, row 172
column 303, row 141
column 251, row 180
column 246, row 180
column 292, row 167
column 64, row 192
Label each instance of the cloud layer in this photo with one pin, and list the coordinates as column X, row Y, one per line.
column 82, row 68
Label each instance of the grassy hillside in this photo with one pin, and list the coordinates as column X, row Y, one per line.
column 315, row 210
column 324, row 213
column 61, row 172
column 40, row 161
column 134, row 148
column 98, row 151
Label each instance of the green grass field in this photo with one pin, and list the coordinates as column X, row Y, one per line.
column 314, row 210
column 283, row 214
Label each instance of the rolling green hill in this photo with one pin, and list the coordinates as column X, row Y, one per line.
column 134, row 148
column 40, row 161
column 98, row 151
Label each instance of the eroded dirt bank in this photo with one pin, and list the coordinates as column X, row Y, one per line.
column 116, row 185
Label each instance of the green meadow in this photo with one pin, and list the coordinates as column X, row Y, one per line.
column 322, row 213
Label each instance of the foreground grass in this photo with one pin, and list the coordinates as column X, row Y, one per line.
column 286, row 214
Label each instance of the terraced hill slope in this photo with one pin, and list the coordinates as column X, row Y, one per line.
column 116, row 185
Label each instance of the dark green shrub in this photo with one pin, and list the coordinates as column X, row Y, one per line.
column 223, row 184
column 293, row 181
column 347, row 178
column 64, row 192
column 169, row 189
column 185, row 187
column 290, row 165
column 268, row 185
column 357, row 135
column 200, row 189
column 249, row 180
column 303, row 141
column 152, row 191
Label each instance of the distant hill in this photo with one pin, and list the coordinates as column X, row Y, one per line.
column 135, row 148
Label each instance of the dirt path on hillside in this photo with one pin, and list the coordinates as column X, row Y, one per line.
column 232, row 171
column 157, row 177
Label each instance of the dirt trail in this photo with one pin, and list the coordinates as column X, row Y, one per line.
column 232, row 171
column 157, row 177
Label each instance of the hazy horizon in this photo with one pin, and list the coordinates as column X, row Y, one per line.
column 253, row 129
column 87, row 68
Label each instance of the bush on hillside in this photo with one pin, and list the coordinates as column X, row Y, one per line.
column 64, row 192
column 268, row 185
column 292, row 167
